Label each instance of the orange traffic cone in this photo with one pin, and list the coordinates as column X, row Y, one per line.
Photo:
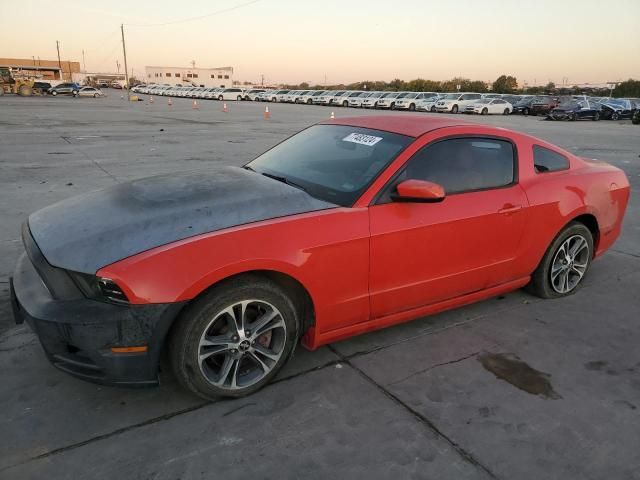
column 170, row 102
column 195, row 105
column 266, row 112
column 151, row 99
column 224, row 108
column 333, row 115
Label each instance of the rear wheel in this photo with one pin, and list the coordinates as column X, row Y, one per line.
column 596, row 116
column 54, row 93
column 565, row 263
column 506, row 111
column 239, row 99
column 525, row 111
column 234, row 339
column 25, row 91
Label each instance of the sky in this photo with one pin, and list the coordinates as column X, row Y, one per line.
column 338, row 41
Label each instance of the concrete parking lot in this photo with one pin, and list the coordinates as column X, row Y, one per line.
column 510, row 388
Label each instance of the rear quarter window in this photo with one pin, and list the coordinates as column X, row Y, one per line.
column 545, row 160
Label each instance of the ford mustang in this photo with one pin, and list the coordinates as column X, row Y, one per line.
column 349, row 226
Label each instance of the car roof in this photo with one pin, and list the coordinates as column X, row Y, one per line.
column 412, row 126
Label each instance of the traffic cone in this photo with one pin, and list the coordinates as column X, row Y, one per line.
column 266, row 112
column 151, row 99
column 170, row 102
column 333, row 115
column 224, row 108
column 195, row 105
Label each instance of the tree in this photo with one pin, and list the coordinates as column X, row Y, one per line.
column 505, row 84
column 628, row 88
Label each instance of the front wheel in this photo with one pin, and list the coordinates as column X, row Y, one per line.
column 239, row 99
column 506, row 111
column 220, row 98
column 615, row 116
column 484, row 111
column 54, row 93
column 234, row 339
column 565, row 263
column 525, row 111
column 412, row 107
column 596, row 116
column 95, row 95
column 433, row 109
column 454, row 109
column 345, row 104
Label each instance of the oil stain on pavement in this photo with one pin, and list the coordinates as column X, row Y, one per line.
column 508, row 367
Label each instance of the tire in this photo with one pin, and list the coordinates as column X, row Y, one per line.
column 392, row 106
column 238, row 350
column 506, row 111
column 484, row 111
column 74, row 93
column 541, row 283
column 220, row 98
column 433, row 109
column 412, row 107
column 54, row 93
column 239, row 99
column 525, row 111
column 345, row 104
column 274, row 99
column 615, row 116
column 95, row 95
column 596, row 116
column 454, row 109
column 25, row 91
column 309, row 102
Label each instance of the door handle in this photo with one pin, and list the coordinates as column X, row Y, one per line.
column 509, row 209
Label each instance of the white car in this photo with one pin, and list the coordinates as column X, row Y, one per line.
column 355, row 101
column 485, row 106
column 388, row 100
column 371, row 101
column 344, row 100
column 410, row 100
column 339, row 97
column 325, row 97
column 292, row 96
column 230, row 94
column 456, row 102
column 251, row 94
column 276, row 95
column 90, row 92
column 427, row 104
column 308, row 96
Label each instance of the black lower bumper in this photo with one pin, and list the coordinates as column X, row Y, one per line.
column 78, row 335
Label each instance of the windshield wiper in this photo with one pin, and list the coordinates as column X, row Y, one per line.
column 283, row 180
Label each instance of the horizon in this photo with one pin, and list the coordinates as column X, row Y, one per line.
column 340, row 42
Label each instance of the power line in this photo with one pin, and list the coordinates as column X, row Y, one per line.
column 172, row 22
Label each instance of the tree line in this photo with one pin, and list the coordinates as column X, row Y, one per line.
column 503, row 84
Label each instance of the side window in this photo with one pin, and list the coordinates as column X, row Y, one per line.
column 463, row 164
column 545, row 160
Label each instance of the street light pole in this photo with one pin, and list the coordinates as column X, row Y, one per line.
column 59, row 62
column 126, row 70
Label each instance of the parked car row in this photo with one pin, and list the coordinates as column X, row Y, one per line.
column 552, row 107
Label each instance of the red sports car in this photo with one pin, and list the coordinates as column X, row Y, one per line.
column 348, row 226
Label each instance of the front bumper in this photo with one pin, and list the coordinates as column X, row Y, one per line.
column 77, row 335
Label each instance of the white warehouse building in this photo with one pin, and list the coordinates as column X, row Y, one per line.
column 201, row 77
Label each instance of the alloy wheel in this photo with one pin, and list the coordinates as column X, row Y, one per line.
column 570, row 264
column 242, row 344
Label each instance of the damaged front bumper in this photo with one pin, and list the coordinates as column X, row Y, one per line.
column 79, row 335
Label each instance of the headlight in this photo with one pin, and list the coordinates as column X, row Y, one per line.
column 99, row 288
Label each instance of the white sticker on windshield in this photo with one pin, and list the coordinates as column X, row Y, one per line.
column 362, row 139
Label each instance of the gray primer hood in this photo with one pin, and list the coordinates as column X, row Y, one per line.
column 87, row 232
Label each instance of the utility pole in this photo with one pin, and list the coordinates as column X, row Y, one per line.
column 118, row 66
column 262, row 80
column 84, row 64
column 126, row 71
column 59, row 62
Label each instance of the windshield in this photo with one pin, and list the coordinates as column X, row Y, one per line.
column 335, row 163
column 485, row 100
column 451, row 96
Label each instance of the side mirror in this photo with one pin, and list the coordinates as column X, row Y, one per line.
column 418, row 191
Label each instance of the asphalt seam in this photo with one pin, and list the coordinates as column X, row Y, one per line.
column 425, row 370
column 419, row 416
column 154, row 420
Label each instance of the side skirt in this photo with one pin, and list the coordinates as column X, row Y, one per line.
column 313, row 339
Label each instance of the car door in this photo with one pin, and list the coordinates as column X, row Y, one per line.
column 423, row 253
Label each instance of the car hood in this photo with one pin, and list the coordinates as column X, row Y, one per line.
column 87, row 232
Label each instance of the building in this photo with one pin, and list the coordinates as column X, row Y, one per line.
column 41, row 69
column 201, row 77
column 88, row 78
